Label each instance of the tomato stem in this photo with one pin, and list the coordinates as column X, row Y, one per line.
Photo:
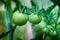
column 8, row 2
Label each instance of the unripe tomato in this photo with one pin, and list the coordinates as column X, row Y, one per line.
column 34, row 18
column 19, row 18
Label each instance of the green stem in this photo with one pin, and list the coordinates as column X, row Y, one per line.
column 5, row 34
column 8, row 4
column 23, row 10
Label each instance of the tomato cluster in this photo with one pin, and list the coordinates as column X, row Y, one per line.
column 21, row 19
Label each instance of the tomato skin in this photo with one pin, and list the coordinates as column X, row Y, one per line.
column 34, row 18
column 19, row 18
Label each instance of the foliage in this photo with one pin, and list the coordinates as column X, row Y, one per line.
column 49, row 25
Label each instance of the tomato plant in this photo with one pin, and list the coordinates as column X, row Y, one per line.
column 42, row 26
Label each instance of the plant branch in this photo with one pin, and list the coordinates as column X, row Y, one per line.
column 5, row 34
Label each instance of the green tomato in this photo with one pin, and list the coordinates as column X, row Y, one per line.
column 19, row 18
column 34, row 18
